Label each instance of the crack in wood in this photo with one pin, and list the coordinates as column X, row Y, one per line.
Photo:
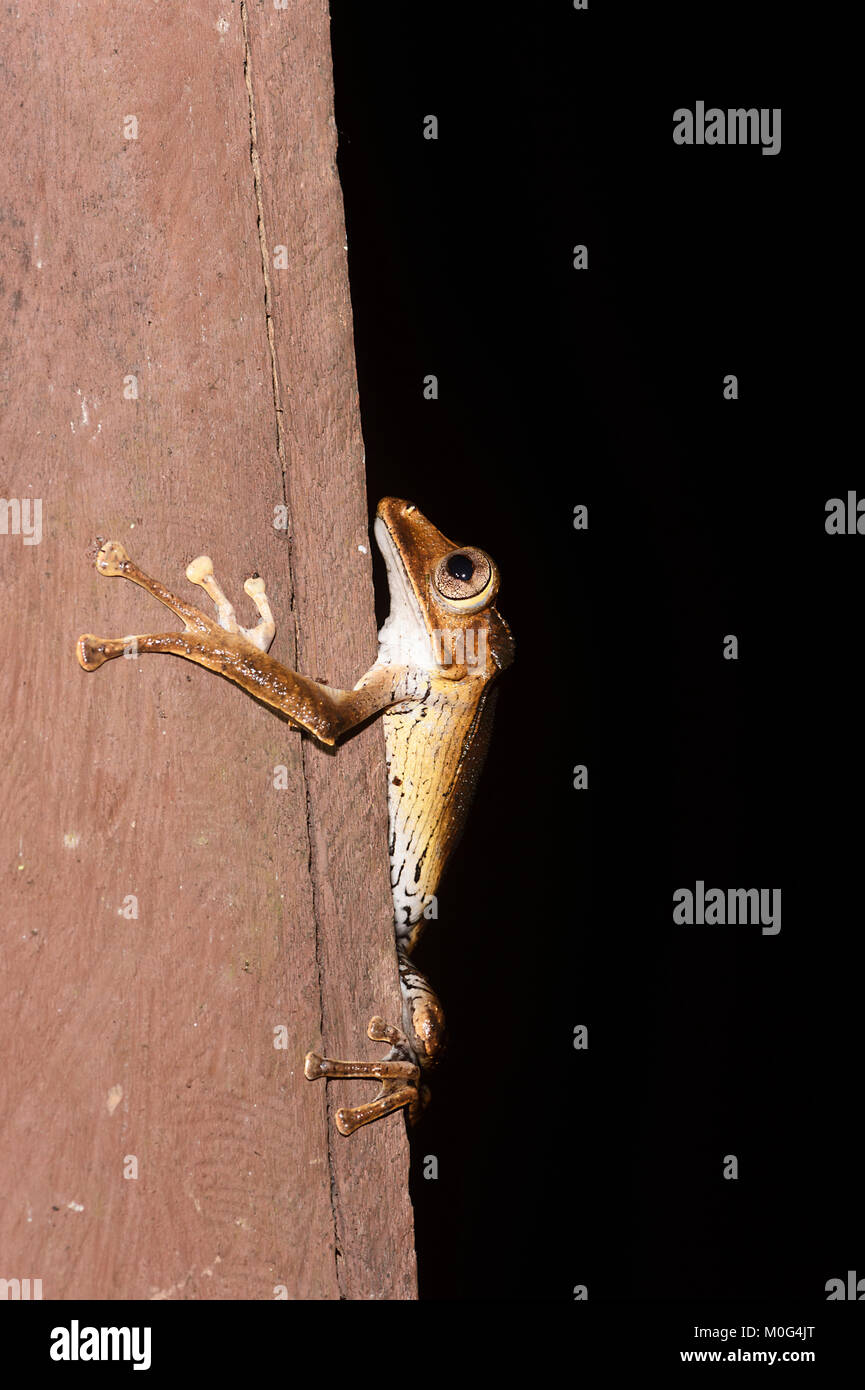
column 262, row 237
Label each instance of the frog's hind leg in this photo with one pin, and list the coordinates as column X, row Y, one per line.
column 400, row 1078
column 423, row 1015
column 418, row 1048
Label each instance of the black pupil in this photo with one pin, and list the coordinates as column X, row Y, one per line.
column 460, row 567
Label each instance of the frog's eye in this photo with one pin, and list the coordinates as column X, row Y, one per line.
column 464, row 576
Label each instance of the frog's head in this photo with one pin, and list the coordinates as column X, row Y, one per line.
column 442, row 599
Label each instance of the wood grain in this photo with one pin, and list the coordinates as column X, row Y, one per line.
column 258, row 908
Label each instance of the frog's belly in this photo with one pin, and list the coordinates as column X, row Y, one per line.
column 434, row 754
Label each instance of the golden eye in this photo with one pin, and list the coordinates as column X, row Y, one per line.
column 464, row 574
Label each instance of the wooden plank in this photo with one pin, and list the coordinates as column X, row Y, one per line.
column 152, row 1036
column 301, row 210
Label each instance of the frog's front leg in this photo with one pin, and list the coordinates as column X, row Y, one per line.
column 241, row 653
column 417, row 1049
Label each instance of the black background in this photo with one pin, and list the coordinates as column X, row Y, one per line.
column 706, row 517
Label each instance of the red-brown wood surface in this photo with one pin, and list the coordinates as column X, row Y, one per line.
column 258, row 908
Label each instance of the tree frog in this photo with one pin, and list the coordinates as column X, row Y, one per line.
column 440, row 650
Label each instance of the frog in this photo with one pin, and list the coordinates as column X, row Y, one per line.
column 441, row 650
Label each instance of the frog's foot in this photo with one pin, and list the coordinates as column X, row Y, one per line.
column 112, row 559
column 241, row 654
column 400, row 1079
column 201, row 572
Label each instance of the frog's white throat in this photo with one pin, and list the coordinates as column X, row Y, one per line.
column 403, row 640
